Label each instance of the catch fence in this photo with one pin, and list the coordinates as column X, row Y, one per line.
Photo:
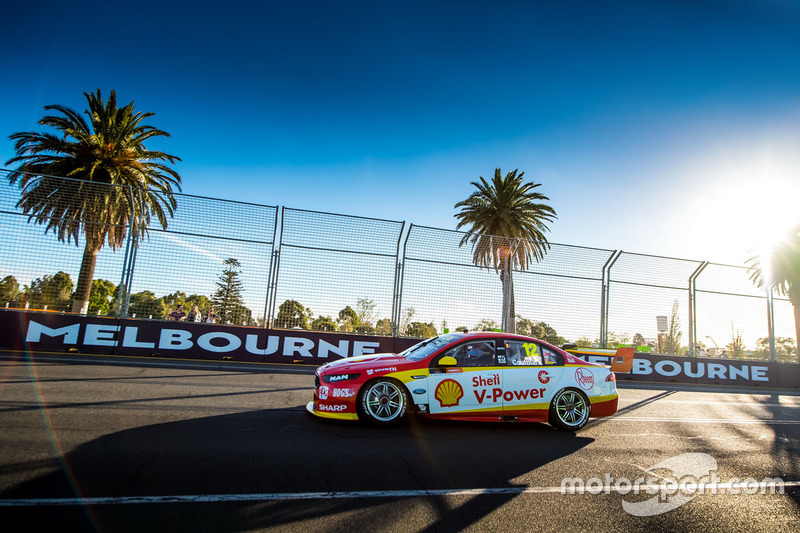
column 269, row 266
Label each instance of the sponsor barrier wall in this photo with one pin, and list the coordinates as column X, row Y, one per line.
column 701, row 370
column 184, row 340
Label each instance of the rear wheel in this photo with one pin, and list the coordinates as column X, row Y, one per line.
column 383, row 402
column 569, row 410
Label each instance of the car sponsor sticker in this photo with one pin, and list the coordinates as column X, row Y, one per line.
column 544, row 377
column 333, row 408
column 343, row 393
column 455, row 370
column 419, row 391
column 585, row 378
column 449, row 393
column 323, row 393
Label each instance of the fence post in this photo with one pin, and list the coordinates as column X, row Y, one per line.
column 267, row 316
column 398, row 285
column 275, row 269
column 397, row 311
column 771, row 322
column 605, row 283
column 124, row 291
column 693, row 308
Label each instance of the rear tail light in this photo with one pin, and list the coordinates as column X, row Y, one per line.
column 611, row 377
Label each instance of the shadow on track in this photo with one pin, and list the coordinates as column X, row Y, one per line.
column 286, row 451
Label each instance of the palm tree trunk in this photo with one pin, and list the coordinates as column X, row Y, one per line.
column 511, row 325
column 81, row 302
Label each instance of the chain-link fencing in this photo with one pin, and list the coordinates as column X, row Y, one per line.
column 248, row 264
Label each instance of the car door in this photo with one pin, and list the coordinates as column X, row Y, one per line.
column 530, row 377
column 473, row 386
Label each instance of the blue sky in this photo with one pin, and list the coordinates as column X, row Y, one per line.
column 662, row 127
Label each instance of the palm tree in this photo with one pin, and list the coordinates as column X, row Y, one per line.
column 115, row 182
column 781, row 273
column 507, row 220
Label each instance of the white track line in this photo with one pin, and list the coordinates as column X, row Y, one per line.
column 777, row 487
column 768, row 421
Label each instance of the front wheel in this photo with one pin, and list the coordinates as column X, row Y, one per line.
column 383, row 402
column 569, row 410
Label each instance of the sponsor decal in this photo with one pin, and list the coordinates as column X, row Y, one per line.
column 501, row 359
column 584, row 377
column 343, row 393
column 544, row 377
column 370, row 372
column 449, row 392
column 323, row 393
column 333, row 408
column 480, row 381
column 339, row 377
column 455, row 370
column 497, row 395
column 741, row 372
column 173, row 337
column 419, row 391
column 387, row 369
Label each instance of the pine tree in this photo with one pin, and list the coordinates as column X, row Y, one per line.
column 228, row 303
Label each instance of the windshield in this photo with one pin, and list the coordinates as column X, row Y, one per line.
column 420, row 351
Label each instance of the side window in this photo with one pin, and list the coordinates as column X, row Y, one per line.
column 523, row 353
column 476, row 353
column 549, row 356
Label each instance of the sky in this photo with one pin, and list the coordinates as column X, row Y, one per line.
column 666, row 127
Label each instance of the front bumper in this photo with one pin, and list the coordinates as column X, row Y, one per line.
column 311, row 408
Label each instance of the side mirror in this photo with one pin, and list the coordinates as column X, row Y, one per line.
column 448, row 361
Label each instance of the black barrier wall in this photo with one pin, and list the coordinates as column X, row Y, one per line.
column 58, row 332
column 184, row 340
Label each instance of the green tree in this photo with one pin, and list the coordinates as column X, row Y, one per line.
column 348, row 319
column 584, row 342
column 102, row 297
column 487, row 325
column 323, row 323
column 539, row 330
column 365, row 311
column 785, row 349
column 383, row 327
column 507, row 219
column 145, row 304
column 108, row 151
column 174, row 300
column 638, row 340
column 292, row 314
column 53, row 292
column 227, row 299
column 420, row 329
column 9, row 291
column 779, row 270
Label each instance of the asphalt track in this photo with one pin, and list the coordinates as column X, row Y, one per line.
column 116, row 444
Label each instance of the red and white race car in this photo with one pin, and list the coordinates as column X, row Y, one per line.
column 473, row 376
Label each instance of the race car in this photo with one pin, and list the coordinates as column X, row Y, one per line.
column 467, row 376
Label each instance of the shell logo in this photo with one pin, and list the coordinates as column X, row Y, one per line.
column 449, row 393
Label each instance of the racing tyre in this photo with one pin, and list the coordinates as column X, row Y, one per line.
column 383, row 402
column 569, row 410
